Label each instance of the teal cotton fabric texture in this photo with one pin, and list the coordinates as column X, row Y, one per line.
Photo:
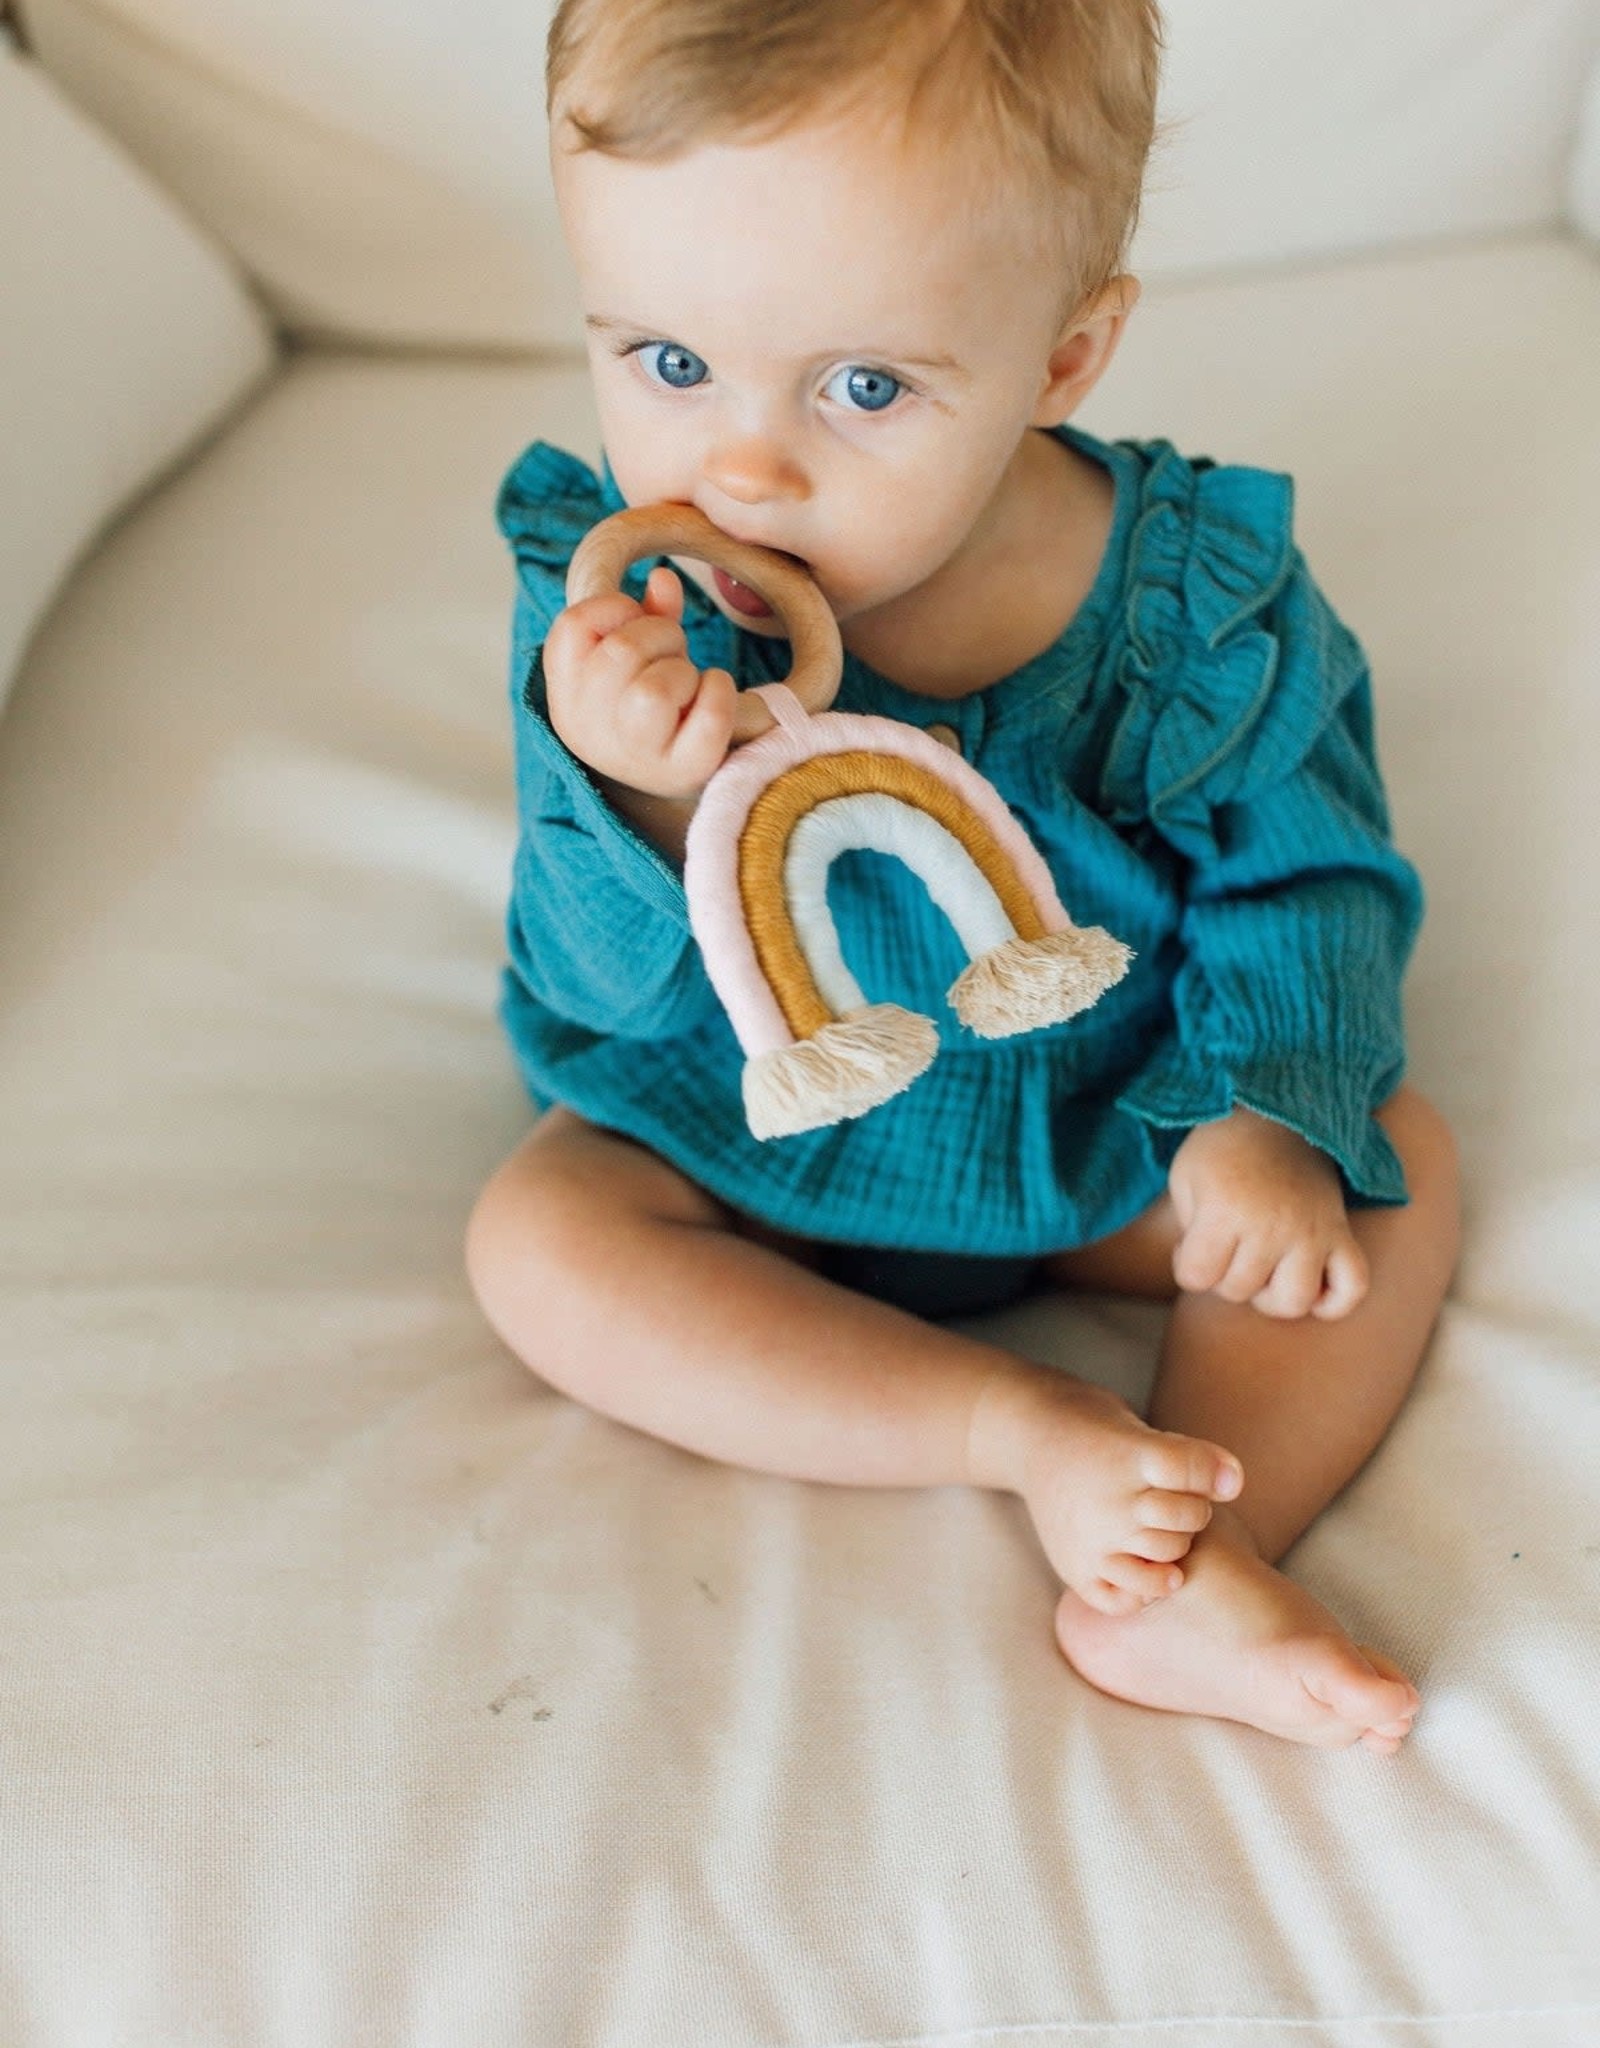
column 1194, row 757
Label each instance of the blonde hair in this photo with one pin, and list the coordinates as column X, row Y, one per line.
column 1059, row 95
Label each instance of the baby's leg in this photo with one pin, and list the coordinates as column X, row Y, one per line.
column 1304, row 1404
column 628, row 1287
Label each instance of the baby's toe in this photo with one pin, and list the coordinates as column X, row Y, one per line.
column 1145, row 1581
column 1105, row 1598
column 1185, row 1464
column 1187, row 1512
column 1361, row 1688
column 1405, row 1703
column 1160, row 1546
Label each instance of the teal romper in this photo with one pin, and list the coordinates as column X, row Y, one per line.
column 1193, row 757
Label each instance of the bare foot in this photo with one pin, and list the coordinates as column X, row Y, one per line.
column 1243, row 1643
column 1116, row 1503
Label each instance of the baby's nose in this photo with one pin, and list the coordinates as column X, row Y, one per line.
column 755, row 470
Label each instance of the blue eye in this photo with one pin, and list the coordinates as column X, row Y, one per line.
column 673, row 365
column 863, row 389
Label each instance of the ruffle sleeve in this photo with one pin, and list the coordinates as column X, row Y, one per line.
column 1246, row 742
column 598, row 926
column 547, row 503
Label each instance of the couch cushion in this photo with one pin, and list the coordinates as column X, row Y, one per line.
column 380, row 168
column 125, row 337
column 1334, row 126
column 1584, row 196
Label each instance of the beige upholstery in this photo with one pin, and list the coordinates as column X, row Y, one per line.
column 358, row 1690
column 1584, row 193
column 377, row 166
column 124, row 337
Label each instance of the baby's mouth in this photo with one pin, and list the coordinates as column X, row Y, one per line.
column 740, row 597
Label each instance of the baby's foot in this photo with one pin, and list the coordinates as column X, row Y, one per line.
column 1243, row 1643
column 1116, row 1503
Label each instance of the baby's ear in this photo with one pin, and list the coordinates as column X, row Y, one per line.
column 1084, row 349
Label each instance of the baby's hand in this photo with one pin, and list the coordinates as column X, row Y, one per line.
column 626, row 698
column 1263, row 1220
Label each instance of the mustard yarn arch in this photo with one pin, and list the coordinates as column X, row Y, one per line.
column 769, row 826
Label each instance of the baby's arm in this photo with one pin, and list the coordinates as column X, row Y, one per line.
column 1263, row 1220
column 599, row 927
column 1298, row 920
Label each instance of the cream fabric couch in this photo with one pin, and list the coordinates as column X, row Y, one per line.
column 356, row 1692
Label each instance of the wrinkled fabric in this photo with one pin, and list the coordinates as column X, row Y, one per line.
column 1193, row 756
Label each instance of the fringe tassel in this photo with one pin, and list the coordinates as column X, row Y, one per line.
column 843, row 1069
column 1028, row 982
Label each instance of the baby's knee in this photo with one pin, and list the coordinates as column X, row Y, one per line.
column 1427, row 1148
column 524, row 1231
column 1426, row 1145
column 494, row 1238
column 557, row 1220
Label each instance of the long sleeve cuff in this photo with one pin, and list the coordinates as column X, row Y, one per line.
column 598, row 927
column 575, row 800
column 1179, row 1090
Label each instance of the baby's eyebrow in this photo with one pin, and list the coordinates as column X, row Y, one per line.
column 940, row 362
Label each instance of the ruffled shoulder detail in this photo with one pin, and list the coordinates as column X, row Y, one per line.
column 1233, row 663
column 548, row 502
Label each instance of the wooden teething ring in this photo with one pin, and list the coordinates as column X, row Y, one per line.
column 816, row 657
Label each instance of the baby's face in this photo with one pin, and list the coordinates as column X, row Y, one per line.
column 812, row 341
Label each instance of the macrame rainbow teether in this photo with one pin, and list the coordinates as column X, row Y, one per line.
column 809, row 784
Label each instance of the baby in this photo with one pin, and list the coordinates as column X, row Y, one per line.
column 849, row 268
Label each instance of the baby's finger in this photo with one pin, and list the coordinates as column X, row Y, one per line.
column 1249, row 1270
column 579, row 629
column 640, row 641
column 1346, row 1280
column 663, row 593
column 1294, row 1286
column 701, row 743
column 649, row 713
column 1204, row 1254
